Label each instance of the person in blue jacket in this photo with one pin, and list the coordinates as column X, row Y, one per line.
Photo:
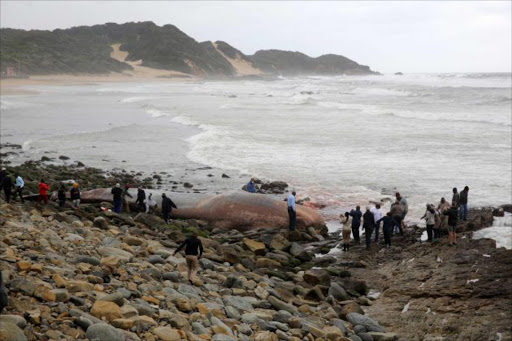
column 250, row 186
column 387, row 227
column 356, row 222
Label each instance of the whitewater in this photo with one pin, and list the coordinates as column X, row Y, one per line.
column 342, row 141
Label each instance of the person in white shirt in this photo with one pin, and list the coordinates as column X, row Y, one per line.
column 150, row 203
column 377, row 215
column 19, row 187
column 292, row 214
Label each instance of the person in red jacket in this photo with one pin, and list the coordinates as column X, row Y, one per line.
column 43, row 193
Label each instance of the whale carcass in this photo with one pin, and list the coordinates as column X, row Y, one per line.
column 233, row 210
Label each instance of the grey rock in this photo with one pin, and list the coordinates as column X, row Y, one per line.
column 355, row 338
column 233, row 281
column 125, row 292
column 189, row 291
column 222, row 337
column 383, row 336
column 217, row 322
column 116, row 297
column 338, row 292
column 359, row 329
column 156, row 259
column 87, row 259
column 143, row 308
column 369, row 323
column 232, row 312
column 104, row 332
column 340, row 324
column 206, row 264
column 83, row 322
column 14, row 319
column 110, row 241
column 282, row 316
column 280, row 305
column 365, row 337
column 239, row 303
column 11, row 332
column 171, row 276
column 199, row 329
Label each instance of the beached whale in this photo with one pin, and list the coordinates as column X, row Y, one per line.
column 233, row 210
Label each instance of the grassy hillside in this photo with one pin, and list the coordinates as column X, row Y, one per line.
column 86, row 49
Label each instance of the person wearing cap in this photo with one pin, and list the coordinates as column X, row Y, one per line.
column 193, row 252
column 117, row 194
column 74, row 195
column 292, row 213
column 250, row 186
column 167, row 205
column 368, row 225
column 19, row 187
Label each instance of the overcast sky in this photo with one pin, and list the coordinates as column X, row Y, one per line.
column 428, row 36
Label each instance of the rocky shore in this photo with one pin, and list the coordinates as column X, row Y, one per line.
column 88, row 274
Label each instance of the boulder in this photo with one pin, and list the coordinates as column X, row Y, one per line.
column 317, row 276
column 280, row 305
column 109, row 310
column 365, row 321
column 256, row 247
column 351, row 307
column 338, row 292
column 104, row 332
column 11, row 332
column 279, row 242
column 167, row 334
column 267, row 263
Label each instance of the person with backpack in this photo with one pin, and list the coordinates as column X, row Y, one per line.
column 74, row 195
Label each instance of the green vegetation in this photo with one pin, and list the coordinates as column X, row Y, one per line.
column 86, row 49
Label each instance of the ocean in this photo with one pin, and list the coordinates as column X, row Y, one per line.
column 341, row 141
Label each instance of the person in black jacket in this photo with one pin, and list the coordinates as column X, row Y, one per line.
column 356, row 223
column 7, row 186
column 117, row 196
column 74, row 195
column 368, row 225
column 453, row 215
column 167, row 205
column 61, row 195
column 463, row 200
column 387, row 227
column 141, row 196
column 193, row 252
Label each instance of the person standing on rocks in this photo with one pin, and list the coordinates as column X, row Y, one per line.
column 193, row 252
column 346, row 230
column 124, row 195
column 368, row 224
column 150, row 204
column 405, row 209
column 74, row 195
column 61, row 195
column 356, row 222
column 388, row 224
column 117, row 194
column 453, row 215
column 250, row 186
column 455, row 198
column 167, row 205
column 464, row 204
column 20, row 184
column 43, row 193
column 141, row 197
column 396, row 213
column 437, row 224
column 443, row 206
column 292, row 213
column 377, row 215
column 429, row 216
column 7, row 186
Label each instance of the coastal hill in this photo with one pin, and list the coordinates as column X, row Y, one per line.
column 98, row 49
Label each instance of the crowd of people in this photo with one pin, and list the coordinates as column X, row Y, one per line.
column 444, row 215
